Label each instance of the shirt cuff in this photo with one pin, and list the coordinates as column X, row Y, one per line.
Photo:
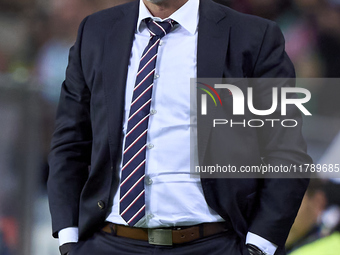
column 263, row 244
column 68, row 235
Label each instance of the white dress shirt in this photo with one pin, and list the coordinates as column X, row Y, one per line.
column 172, row 196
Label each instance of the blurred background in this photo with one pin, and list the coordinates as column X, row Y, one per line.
column 35, row 37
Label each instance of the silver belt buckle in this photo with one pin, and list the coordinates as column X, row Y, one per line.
column 160, row 236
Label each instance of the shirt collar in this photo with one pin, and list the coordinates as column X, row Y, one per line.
column 186, row 16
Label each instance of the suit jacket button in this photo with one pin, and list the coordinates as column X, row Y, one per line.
column 101, row 204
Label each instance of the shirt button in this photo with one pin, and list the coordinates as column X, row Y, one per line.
column 150, row 216
column 150, row 146
column 148, row 180
column 156, row 76
column 153, row 112
column 160, row 43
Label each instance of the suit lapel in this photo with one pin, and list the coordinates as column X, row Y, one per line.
column 213, row 38
column 117, row 53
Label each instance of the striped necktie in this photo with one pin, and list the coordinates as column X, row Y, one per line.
column 132, row 193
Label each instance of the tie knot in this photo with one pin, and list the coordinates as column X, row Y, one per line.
column 159, row 28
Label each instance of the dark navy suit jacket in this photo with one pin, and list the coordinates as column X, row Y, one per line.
column 86, row 145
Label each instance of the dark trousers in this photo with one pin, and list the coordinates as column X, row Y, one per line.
column 102, row 243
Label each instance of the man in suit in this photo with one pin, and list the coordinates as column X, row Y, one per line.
column 176, row 214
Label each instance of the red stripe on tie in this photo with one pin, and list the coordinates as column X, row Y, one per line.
column 146, row 53
column 141, row 121
column 139, row 137
column 147, row 63
column 159, row 27
column 127, row 163
column 142, row 208
column 148, row 88
column 127, row 193
column 142, row 81
column 140, row 108
column 143, row 162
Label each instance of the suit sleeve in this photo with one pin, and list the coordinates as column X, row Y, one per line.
column 279, row 199
column 70, row 154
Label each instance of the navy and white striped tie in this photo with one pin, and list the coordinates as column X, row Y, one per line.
column 132, row 193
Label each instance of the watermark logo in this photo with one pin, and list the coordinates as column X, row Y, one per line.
column 239, row 99
column 204, row 97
